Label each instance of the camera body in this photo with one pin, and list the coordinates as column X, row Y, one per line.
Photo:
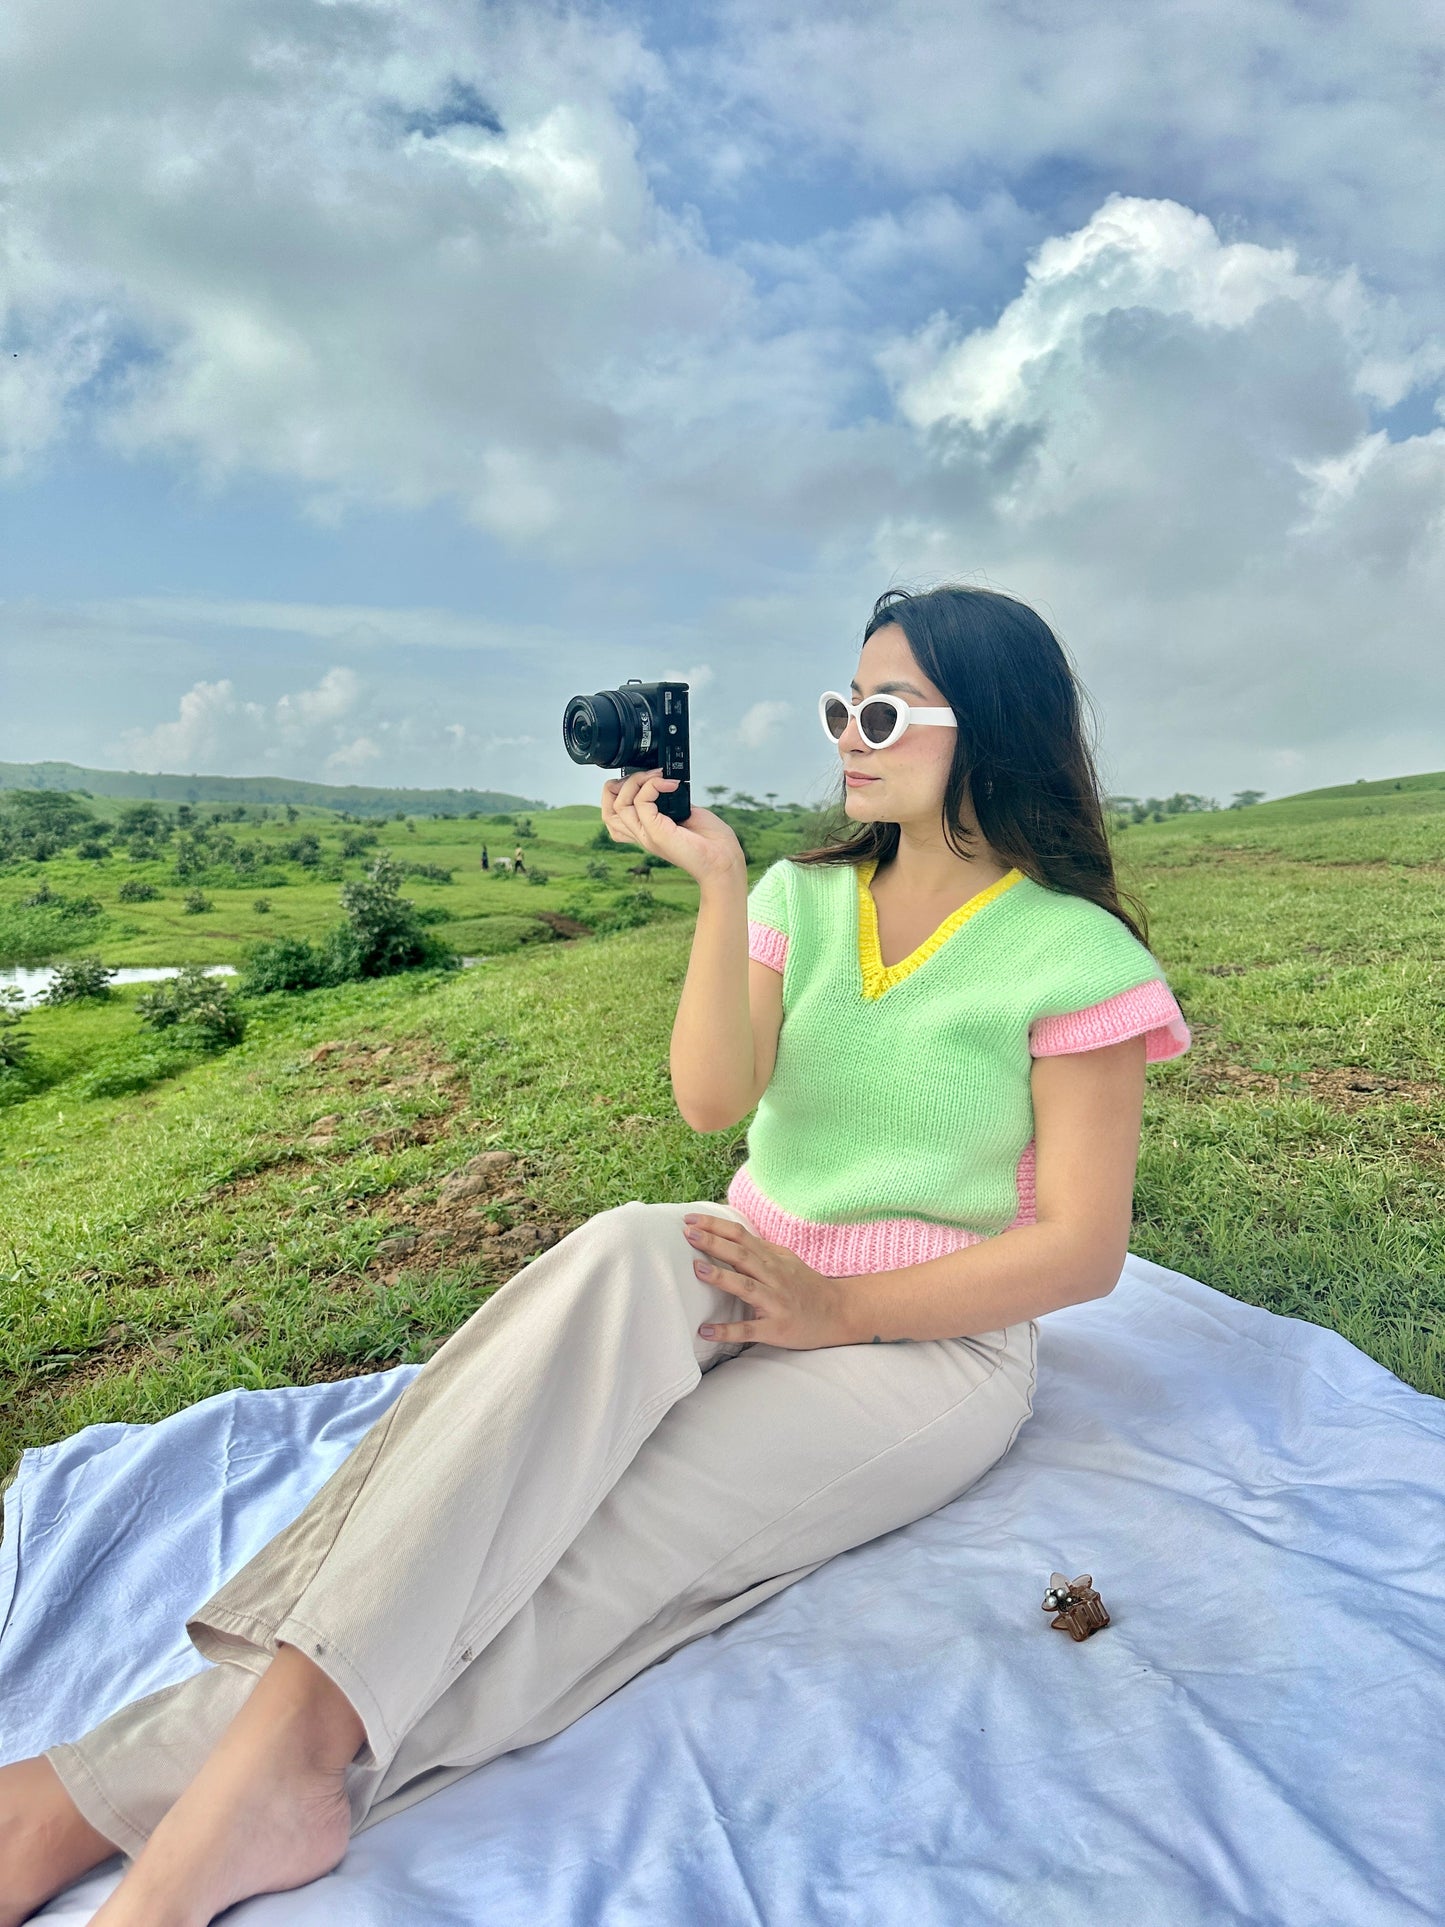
column 642, row 725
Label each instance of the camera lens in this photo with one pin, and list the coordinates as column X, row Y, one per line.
column 610, row 729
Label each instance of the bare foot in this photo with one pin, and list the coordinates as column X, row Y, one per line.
column 45, row 1844
column 267, row 1812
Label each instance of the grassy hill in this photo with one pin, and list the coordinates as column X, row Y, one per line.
column 358, row 798
column 277, row 1215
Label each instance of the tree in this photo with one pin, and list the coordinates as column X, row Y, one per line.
column 382, row 931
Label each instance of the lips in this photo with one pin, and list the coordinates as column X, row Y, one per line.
column 851, row 776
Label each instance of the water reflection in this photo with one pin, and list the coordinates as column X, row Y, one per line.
column 35, row 983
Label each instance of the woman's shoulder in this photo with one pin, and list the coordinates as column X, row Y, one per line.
column 1056, row 918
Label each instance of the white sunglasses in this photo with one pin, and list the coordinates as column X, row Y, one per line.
column 882, row 719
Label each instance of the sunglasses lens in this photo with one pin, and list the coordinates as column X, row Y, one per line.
column 876, row 720
column 835, row 716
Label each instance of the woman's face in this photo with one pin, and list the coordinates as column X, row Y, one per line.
column 911, row 774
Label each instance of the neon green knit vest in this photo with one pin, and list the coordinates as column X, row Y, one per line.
column 903, row 1093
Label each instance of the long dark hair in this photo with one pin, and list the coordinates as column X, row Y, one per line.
column 1019, row 754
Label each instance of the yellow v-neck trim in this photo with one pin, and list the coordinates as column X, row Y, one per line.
column 878, row 976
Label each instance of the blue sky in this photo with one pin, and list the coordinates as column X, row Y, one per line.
column 375, row 377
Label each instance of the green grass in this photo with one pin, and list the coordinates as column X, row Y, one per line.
column 164, row 1246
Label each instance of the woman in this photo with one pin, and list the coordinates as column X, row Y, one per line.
column 942, row 1019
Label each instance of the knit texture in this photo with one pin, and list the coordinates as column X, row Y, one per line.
column 898, row 1121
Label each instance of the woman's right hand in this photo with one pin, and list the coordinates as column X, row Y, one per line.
column 704, row 846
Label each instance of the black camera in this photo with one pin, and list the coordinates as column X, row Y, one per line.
column 642, row 725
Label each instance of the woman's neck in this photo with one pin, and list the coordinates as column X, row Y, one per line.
column 931, row 873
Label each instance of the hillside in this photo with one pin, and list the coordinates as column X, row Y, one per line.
column 359, row 799
column 281, row 1212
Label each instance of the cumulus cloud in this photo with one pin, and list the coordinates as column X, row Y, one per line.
column 215, row 727
column 301, row 242
column 1165, row 437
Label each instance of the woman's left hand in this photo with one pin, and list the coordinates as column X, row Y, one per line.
column 797, row 1308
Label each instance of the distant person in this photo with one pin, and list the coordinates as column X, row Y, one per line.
column 484, row 856
column 753, row 1393
column 517, row 864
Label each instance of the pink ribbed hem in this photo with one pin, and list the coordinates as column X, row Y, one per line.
column 1149, row 1007
column 769, row 946
column 878, row 1244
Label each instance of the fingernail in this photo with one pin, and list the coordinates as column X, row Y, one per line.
column 706, row 1331
column 692, row 1218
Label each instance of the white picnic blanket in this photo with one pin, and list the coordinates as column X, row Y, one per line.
column 900, row 1739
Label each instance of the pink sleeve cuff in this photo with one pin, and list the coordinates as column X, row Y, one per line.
column 1149, row 1008
column 769, row 946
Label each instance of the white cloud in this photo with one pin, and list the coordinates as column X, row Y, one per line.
column 211, row 717
column 760, row 723
column 1304, row 122
column 353, row 757
column 216, row 729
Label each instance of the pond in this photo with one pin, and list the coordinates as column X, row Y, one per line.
column 34, row 983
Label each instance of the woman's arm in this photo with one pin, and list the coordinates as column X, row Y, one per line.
column 713, row 1057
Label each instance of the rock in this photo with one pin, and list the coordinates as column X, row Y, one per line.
column 526, row 1237
column 399, row 1245
column 323, row 1051
column 489, row 1161
column 460, row 1186
column 327, row 1123
column 325, row 1142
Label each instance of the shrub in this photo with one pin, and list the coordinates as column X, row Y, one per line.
column 195, row 903
column 286, row 963
column 539, row 876
column 262, row 906
column 200, row 1010
column 81, row 978
column 92, row 849
column 135, row 890
column 14, row 1044
column 432, row 872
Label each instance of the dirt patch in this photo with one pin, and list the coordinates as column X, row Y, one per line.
column 1346, row 1089
column 564, row 926
column 484, row 1214
column 410, row 1068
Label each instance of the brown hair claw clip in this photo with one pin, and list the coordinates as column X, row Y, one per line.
column 1080, row 1609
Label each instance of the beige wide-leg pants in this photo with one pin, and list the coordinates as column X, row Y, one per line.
column 572, row 1487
